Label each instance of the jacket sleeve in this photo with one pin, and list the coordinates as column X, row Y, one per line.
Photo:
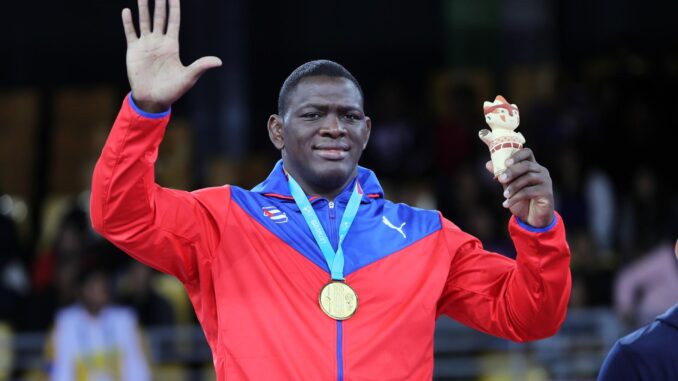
column 167, row 229
column 621, row 364
column 521, row 300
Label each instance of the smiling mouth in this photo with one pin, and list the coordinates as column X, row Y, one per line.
column 332, row 153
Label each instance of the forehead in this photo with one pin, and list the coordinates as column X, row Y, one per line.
column 324, row 90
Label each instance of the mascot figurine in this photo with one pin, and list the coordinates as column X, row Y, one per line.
column 503, row 118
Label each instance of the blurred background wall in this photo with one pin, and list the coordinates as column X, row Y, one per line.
column 594, row 81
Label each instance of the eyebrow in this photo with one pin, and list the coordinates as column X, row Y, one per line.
column 325, row 107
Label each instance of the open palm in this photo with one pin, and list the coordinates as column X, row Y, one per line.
column 155, row 72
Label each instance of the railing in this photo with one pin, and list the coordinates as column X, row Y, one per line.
column 575, row 353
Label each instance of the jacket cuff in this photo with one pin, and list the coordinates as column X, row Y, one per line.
column 533, row 229
column 150, row 115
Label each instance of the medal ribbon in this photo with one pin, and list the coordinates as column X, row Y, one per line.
column 335, row 261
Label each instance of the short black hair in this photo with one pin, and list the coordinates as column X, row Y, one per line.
column 310, row 69
column 89, row 272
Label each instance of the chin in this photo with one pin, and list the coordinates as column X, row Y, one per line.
column 332, row 174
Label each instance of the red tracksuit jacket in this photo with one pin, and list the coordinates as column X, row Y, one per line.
column 253, row 270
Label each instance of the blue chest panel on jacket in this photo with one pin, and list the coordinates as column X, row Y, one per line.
column 381, row 227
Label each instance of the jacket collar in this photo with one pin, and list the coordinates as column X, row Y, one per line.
column 276, row 185
column 670, row 317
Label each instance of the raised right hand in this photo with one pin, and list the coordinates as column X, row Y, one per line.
column 154, row 69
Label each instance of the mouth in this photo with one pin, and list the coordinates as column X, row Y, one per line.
column 332, row 151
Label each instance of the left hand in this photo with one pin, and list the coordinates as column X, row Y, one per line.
column 527, row 188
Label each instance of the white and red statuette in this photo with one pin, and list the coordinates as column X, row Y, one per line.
column 503, row 118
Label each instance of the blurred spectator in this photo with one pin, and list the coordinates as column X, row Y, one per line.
column 392, row 140
column 484, row 226
column 465, row 192
column 456, row 142
column 600, row 200
column 13, row 279
column 642, row 215
column 96, row 341
column 589, row 273
column 457, row 128
column 136, row 290
column 648, row 286
column 568, row 180
column 649, row 353
column 13, row 287
column 55, row 271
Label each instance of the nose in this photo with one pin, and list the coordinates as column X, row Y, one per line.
column 333, row 127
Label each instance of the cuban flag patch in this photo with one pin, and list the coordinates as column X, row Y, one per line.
column 275, row 214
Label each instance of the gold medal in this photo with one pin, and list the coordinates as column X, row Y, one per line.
column 338, row 300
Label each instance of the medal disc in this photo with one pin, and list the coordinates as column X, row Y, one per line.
column 338, row 300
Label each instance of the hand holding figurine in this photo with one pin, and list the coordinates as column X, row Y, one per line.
column 527, row 185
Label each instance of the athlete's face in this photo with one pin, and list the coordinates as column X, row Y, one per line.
column 323, row 133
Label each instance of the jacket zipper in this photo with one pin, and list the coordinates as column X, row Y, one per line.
column 333, row 238
column 333, row 225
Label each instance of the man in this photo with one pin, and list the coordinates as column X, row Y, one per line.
column 312, row 275
column 648, row 354
column 94, row 340
column 647, row 287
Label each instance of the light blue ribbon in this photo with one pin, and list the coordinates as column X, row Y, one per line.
column 335, row 261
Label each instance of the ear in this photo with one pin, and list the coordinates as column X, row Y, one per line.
column 275, row 131
column 368, row 127
column 486, row 106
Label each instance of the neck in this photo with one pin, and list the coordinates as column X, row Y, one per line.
column 329, row 193
column 93, row 311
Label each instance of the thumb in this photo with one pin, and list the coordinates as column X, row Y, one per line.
column 201, row 65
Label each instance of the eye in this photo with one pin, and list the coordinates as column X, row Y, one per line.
column 353, row 117
column 311, row 115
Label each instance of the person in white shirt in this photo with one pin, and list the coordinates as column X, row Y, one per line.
column 97, row 341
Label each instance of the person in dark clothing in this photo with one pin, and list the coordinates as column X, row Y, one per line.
column 152, row 308
column 12, row 275
column 650, row 353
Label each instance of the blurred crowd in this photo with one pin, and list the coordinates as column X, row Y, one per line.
column 602, row 131
column 32, row 294
column 601, row 128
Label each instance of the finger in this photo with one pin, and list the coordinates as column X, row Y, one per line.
column 525, row 194
column 518, row 169
column 144, row 18
column 490, row 167
column 159, row 16
column 200, row 66
column 174, row 19
column 520, row 155
column 128, row 25
column 524, row 181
